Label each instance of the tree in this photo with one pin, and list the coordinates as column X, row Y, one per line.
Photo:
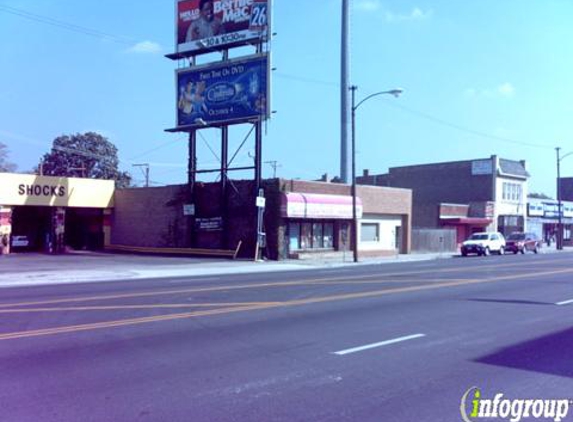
column 87, row 155
column 5, row 165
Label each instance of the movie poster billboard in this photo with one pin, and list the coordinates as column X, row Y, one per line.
column 225, row 92
column 218, row 24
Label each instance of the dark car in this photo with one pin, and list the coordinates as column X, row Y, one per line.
column 522, row 242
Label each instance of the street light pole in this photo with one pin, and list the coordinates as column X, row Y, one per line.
column 395, row 92
column 559, row 226
column 353, row 89
column 559, row 204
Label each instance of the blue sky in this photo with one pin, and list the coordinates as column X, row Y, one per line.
column 481, row 77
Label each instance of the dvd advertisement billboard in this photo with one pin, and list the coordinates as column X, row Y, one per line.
column 217, row 24
column 220, row 93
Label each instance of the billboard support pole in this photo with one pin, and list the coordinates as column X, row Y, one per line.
column 191, row 179
column 224, row 190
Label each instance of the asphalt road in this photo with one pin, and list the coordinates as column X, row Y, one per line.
column 370, row 343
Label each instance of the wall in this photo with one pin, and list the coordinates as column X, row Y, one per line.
column 149, row 217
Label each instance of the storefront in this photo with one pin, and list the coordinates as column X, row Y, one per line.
column 318, row 222
column 543, row 220
column 51, row 214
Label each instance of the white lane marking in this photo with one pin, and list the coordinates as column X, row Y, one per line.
column 565, row 302
column 382, row 343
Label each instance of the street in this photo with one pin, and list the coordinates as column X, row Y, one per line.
column 395, row 342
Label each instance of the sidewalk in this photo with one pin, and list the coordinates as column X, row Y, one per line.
column 33, row 269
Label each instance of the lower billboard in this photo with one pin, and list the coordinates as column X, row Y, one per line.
column 221, row 93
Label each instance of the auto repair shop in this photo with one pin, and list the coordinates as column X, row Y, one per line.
column 48, row 214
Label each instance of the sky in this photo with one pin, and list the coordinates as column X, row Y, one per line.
column 480, row 77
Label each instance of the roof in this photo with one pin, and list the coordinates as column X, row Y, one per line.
column 512, row 168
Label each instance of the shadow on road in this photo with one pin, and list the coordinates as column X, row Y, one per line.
column 549, row 354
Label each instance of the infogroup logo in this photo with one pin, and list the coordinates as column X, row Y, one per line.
column 474, row 407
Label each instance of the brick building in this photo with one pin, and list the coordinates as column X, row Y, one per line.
column 300, row 218
column 468, row 196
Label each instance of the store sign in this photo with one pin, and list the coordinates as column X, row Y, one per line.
column 220, row 93
column 219, row 24
column 49, row 191
column 209, row 224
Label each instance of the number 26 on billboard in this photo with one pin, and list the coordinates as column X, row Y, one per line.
column 259, row 15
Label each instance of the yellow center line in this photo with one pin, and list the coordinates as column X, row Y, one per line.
column 131, row 307
column 340, row 297
column 260, row 285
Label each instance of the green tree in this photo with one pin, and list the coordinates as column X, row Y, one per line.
column 5, row 165
column 89, row 155
column 534, row 195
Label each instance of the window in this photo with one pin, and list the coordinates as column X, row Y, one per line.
column 317, row 241
column 305, row 236
column 328, row 236
column 293, row 236
column 369, row 232
column 310, row 235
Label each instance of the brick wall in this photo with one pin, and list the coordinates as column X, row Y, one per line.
column 433, row 184
column 154, row 217
column 150, row 217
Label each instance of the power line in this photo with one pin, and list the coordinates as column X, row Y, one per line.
column 65, row 25
column 426, row 115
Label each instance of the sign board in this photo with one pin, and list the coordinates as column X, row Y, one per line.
column 206, row 25
column 209, row 224
column 188, row 209
column 480, row 167
column 220, row 93
column 49, row 191
column 261, row 201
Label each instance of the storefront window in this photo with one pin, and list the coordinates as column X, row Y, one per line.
column 305, row 236
column 328, row 237
column 293, row 236
column 310, row 235
column 317, row 235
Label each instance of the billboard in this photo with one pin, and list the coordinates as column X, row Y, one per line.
column 218, row 24
column 221, row 93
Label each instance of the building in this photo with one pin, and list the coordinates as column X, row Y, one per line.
column 467, row 196
column 43, row 213
column 300, row 218
column 543, row 219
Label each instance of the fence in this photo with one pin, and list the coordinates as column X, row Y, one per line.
column 434, row 240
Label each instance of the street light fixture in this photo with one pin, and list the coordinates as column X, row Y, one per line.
column 396, row 93
column 559, row 205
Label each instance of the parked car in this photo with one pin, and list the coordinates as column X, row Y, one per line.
column 522, row 242
column 484, row 243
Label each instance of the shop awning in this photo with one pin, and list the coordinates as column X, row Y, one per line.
column 315, row 205
column 469, row 221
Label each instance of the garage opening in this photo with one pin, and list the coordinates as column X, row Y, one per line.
column 31, row 228
column 84, row 229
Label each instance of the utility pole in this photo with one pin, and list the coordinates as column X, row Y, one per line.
column 145, row 170
column 274, row 164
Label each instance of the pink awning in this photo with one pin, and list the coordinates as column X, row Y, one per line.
column 315, row 205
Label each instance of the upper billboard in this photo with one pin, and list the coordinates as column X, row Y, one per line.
column 227, row 92
column 219, row 24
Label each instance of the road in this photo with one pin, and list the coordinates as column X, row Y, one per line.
column 397, row 342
